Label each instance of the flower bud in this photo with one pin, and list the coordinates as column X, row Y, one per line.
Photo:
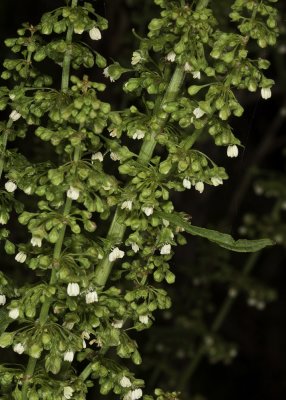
column 73, row 289
column 10, row 186
column 95, row 33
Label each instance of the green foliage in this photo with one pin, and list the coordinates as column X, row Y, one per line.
column 188, row 72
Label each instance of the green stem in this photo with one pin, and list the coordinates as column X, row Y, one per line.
column 58, row 247
column 4, row 144
column 216, row 325
column 117, row 228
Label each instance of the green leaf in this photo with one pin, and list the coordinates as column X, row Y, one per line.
column 222, row 239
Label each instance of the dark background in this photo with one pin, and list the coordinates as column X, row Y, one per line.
column 259, row 371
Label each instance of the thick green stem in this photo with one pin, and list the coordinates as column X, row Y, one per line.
column 58, row 247
column 117, row 228
column 216, row 325
column 4, row 145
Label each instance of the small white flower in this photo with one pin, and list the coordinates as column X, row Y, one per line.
column 19, row 348
column 106, row 74
column 187, row 67
column 198, row 112
column 10, row 186
column 21, row 257
column 125, row 382
column 97, row 156
column 135, row 247
column 187, row 183
column 166, row 249
column 148, row 211
column 73, row 289
column 95, row 33
column 216, row 181
column 36, row 241
column 91, row 297
column 113, row 133
column 139, row 134
column 68, row 392
column 73, row 193
column 114, row 156
column 115, row 254
column 166, row 223
column 14, row 313
column 199, row 186
column 14, row 116
column 117, row 323
column 136, row 394
column 232, row 151
column 136, row 58
column 266, row 93
column 2, row 299
column 144, row 319
column 196, row 75
column 68, row 356
column 127, row 205
column 171, row 56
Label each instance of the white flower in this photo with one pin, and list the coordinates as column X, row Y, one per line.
column 106, row 74
column 113, row 133
column 187, row 183
column 198, row 112
column 232, row 293
column 136, row 394
column 232, row 151
column 73, row 193
column 139, row 134
column 68, row 392
column 266, row 93
column 2, row 299
column 14, row 116
column 115, row 254
column 148, row 210
column 73, row 289
column 126, row 205
column 166, row 249
column 117, row 323
column 135, row 247
column 171, row 56
column 36, row 241
column 125, row 382
column 68, row 356
column 95, row 33
column 97, row 156
column 187, row 67
column 19, row 348
column 10, row 186
column 216, row 181
column 136, row 58
column 144, row 319
column 199, row 186
column 114, row 156
column 133, row 394
column 14, row 313
column 21, row 257
column 91, row 297
column 196, row 75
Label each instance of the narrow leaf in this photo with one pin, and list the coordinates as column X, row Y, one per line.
column 222, row 239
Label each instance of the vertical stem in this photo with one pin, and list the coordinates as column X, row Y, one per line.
column 217, row 323
column 4, row 144
column 58, row 247
column 117, row 229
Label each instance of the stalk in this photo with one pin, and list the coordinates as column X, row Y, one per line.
column 216, row 325
column 67, row 207
column 117, row 229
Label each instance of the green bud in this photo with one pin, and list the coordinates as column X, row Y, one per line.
column 35, row 351
column 6, row 339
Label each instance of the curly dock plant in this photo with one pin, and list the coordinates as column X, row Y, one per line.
column 94, row 285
